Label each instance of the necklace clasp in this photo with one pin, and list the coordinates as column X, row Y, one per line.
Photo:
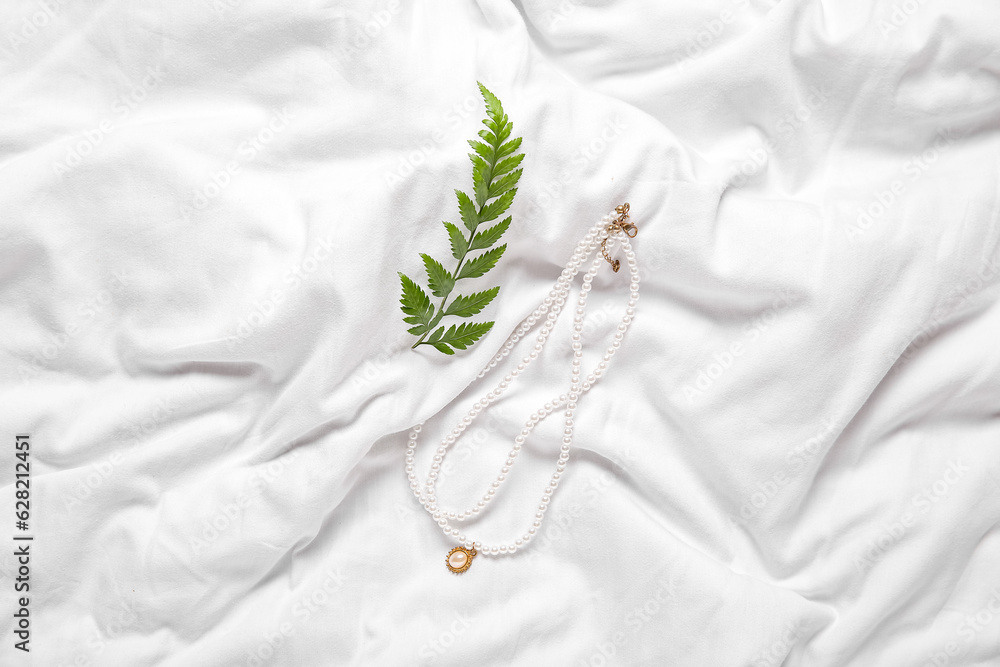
column 619, row 225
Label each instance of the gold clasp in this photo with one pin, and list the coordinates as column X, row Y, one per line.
column 619, row 225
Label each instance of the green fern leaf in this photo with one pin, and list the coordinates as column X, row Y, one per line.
column 438, row 279
column 493, row 106
column 465, row 334
column 459, row 244
column 504, row 184
column 484, row 150
column 506, row 165
column 479, row 164
column 467, row 306
column 482, row 192
column 481, row 177
column 414, row 303
column 480, row 265
column 505, row 131
column 508, row 148
column 468, row 210
column 486, row 238
column 495, row 209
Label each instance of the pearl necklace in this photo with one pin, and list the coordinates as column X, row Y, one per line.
column 612, row 227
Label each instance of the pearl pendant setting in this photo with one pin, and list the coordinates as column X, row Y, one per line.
column 460, row 559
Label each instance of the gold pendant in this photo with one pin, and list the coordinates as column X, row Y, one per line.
column 459, row 559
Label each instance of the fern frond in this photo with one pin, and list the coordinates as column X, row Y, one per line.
column 495, row 174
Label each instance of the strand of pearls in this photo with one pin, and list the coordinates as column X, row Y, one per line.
column 551, row 304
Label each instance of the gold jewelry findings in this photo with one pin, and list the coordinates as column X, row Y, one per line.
column 619, row 225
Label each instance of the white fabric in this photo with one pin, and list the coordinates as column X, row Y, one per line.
column 793, row 459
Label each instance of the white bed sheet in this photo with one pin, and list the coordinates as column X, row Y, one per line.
column 793, row 459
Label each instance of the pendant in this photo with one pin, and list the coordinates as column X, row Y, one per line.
column 459, row 559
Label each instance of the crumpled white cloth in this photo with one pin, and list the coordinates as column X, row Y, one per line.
column 792, row 460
